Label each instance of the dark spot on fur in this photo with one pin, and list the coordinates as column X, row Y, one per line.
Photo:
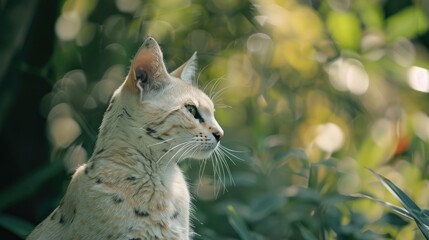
column 135, row 239
column 126, row 112
column 130, row 178
column 62, row 219
column 110, row 236
column 175, row 215
column 117, row 199
column 98, row 181
column 164, row 150
column 98, row 152
column 141, row 213
column 150, row 130
column 74, row 214
column 162, row 225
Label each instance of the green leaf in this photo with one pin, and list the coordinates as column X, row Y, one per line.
column 401, row 211
column 30, row 184
column 408, row 23
column 15, row 225
column 312, row 177
column 406, row 201
column 306, row 233
column 15, row 21
column 345, row 29
column 238, row 224
column 265, row 205
column 413, row 210
column 424, row 229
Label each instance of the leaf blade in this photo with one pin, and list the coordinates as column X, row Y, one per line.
column 238, row 224
column 15, row 225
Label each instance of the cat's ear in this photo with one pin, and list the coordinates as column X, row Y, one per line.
column 148, row 71
column 188, row 71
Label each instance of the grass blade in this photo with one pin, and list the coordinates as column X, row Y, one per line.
column 312, row 177
column 424, row 229
column 307, row 235
column 238, row 224
column 406, row 201
column 401, row 211
column 28, row 185
column 15, row 225
column 414, row 211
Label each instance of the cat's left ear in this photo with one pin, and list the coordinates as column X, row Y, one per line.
column 148, row 71
column 188, row 71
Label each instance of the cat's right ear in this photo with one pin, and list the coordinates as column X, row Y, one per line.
column 187, row 72
column 148, row 71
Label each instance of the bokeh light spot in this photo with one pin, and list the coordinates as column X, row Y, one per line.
column 349, row 75
column 68, row 26
column 75, row 156
column 259, row 43
column 421, row 125
column 127, row 6
column 418, row 79
column 382, row 132
column 330, row 137
column 63, row 131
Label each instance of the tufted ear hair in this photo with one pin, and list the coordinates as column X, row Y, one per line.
column 188, row 71
column 148, row 71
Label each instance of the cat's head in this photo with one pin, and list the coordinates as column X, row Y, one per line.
column 168, row 111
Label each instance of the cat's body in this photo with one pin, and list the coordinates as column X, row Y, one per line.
column 132, row 188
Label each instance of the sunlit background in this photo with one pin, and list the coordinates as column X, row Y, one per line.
column 311, row 94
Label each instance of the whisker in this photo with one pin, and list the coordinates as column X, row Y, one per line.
column 158, row 143
column 230, row 153
column 225, row 164
column 214, row 86
column 219, row 93
column 184, row 147
column 186, row 152
column 232, row 150
column 199, row 74
column 171, row 149
column 208, row 84
column 221, row 105
column 215, row 172
column 202, row 169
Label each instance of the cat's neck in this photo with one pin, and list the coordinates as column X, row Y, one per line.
column 122, row 138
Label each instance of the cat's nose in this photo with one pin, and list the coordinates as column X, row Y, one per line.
column 218, row 135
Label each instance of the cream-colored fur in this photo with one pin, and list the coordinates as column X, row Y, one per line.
column 132, row 188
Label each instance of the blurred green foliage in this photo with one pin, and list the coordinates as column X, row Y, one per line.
column 313, row 92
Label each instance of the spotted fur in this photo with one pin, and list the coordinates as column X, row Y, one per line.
column 132, row 188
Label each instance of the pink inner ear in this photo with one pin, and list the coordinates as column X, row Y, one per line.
column 150, row 60
column 146, row 61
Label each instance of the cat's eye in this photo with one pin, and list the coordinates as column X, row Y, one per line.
column 193, row 110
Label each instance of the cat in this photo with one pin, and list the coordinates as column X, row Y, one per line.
column 131, row 187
